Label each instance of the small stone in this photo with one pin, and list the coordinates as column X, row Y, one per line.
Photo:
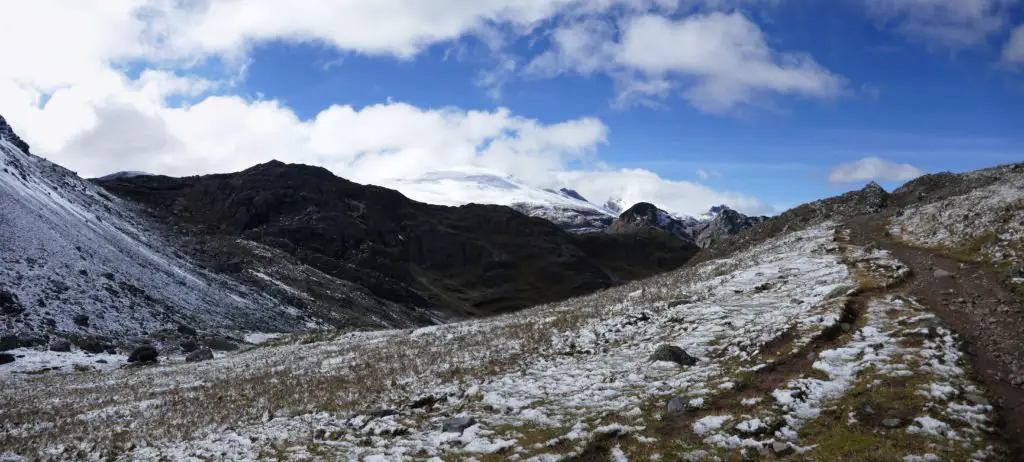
column 941, row 273
column 846, row 327
column 6, row 358
column 891, row 423
column 781, row 449
column 101, row 361
column 796, row 301
column 976, row 399
column 457, row 424
column 672, row 353
column 186, row 330
column 202, row 354
column 676, row 405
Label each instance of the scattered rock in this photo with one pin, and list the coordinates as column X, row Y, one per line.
column 143, row 354
column 81, row 320
column 679, row 302
column 379, row 413
column 6, row 358
column 796, row 301
column 189, row 346
column 941, row 273
column 92, row 345
column 219, row 344
column 672, row 353
column 838, row 292
column 202, row 354
column 891, row 423
column 186, row 330
column 425, row 401
column 9, row 303
column 9, row 342
column 458, row 424
column 976, row 399
column 781, row 449
column 101, row 361
column 676, row 405
column 60, row 345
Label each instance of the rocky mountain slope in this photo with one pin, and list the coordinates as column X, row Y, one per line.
column 458, row 261
column 256, row 251
column 801, row 347
column 719, row 223
column 77, row 264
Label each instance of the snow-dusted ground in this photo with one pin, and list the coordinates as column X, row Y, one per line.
column 988, row 222
column 539, row 384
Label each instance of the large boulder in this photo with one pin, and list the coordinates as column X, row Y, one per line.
column 672, row 353
column 457, row 424
column 60, row 345
column 143, row 354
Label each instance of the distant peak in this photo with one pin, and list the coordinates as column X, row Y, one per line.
column 7, row 134
column 873, row 186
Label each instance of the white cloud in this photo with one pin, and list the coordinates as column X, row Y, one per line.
column 1013, row 52
column 718, row 60
column 952, row 24
column 65, row 86
column 639, row 185
column 705, row 175
column 873, row 169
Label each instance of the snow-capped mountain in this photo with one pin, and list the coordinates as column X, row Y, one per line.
column 564, row 207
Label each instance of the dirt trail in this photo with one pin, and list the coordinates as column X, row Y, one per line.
column 988, row 318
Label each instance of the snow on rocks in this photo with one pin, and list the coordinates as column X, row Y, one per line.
column 991, row 217
column 543, row 383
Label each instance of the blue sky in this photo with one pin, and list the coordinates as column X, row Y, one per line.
column 789, row 92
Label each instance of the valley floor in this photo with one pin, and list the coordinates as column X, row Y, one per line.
column 814, row 345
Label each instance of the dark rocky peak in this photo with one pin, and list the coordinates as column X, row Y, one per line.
column 457, row 261
column 7, row 134
column 641, row 212
column 715, row 210
column 572, row 194
column 645, row 217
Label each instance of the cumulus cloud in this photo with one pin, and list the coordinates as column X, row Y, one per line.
column 717, row 61
column 101, row 86
column 1013, row 52
column 950, row 24
column 873, row 169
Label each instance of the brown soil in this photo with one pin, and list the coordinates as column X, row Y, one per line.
column 988, row 317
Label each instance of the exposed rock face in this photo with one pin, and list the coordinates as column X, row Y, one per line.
column 7, row 133
column 459, row 261
column 645, row 217
column 719, row 223
column 726, row 222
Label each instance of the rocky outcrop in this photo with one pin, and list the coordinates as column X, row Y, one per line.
column 7, row 134
column 458, row 261
column 645, row 217
column 726, row 222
